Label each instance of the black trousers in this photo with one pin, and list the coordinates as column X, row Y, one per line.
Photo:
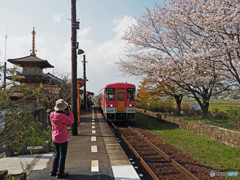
column 60, row 157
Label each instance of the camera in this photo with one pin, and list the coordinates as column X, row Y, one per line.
column 67, row 110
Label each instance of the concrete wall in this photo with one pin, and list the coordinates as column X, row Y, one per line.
column 225, row 136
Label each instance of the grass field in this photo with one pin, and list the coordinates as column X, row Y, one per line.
column 210, row 153
column 221, row 107
column 221, row 104
column 219, row 112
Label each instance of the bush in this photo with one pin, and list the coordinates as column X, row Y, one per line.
column 234, row 117
column 158, row 106
column 185, row 107
column 218, row 115
column 21, row 130
column 194, row 112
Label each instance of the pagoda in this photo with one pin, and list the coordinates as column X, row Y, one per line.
column 32, row 68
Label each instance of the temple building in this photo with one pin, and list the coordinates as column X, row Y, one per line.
column 32, row 68
column 32, row 75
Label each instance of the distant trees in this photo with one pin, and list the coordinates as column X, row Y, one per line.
column 65, row 90
column 143, row 93
column 193, row 44
column 160, row 88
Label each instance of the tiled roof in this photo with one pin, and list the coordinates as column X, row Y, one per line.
column 31, row 59
column 51, row 89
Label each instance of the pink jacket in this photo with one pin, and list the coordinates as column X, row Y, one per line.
column 59, row 123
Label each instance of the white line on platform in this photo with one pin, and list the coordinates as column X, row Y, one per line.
column 128, row 172
column 93, row 138
column 94, row 149
column 93, row 120
column 93, row 127
column 93, row 123
column 93, row 131
column 94, row 166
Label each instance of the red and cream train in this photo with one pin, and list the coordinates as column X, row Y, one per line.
column 117, row 101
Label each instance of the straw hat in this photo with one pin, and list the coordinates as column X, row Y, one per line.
column 60, row 105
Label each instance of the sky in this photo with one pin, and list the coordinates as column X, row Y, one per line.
column 102, row 24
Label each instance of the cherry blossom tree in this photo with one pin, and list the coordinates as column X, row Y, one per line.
column 216, row 24
column 167, row 43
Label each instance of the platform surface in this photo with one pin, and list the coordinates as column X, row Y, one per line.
column 94, row 153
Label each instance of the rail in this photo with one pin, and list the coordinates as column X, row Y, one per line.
column 173, row 162
column 157, row 150
column 145, row 165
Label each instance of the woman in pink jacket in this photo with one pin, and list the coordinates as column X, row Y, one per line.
column 59, row 120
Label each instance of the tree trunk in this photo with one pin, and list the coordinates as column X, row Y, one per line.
column 204, row 107
column 178, row 99
column 204, row 104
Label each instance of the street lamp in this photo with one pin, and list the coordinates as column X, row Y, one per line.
column 80, row 51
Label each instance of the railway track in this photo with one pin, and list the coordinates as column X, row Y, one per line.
column 158, row 164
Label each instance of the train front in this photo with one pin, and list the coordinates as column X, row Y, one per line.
column 120, row 102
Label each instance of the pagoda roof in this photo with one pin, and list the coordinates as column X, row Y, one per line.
column 33, row 60
column 26, row 77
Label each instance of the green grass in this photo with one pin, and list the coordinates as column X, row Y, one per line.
column 218, row 111
column 217, row 101
column 221, row 104
column 209, row 152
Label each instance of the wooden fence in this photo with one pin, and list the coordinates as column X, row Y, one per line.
column 41, row 115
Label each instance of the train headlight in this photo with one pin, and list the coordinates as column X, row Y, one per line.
column 110, row 105
column 131, row 105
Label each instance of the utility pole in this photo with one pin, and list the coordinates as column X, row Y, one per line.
column 4, row 76
column 74, row 68
column 85, row 79
column 5, row 65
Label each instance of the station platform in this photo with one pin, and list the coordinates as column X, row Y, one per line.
column 93, row 154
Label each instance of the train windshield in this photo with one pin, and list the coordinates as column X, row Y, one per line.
column 120, row 95
column 131, row 94
column 110, row 94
